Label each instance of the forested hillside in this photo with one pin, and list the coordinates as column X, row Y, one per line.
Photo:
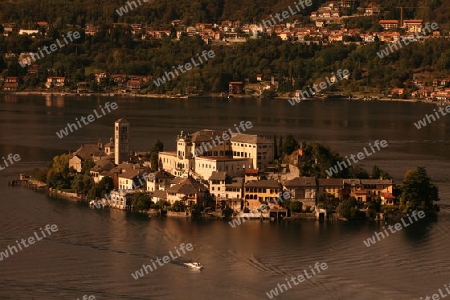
column 293, row 65
column 60, row 12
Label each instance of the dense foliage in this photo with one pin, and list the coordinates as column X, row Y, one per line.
column 349, row 209
column 162, row 12
column 141, row 201
column 59, row 176
column 417, row 191
column 294, row 66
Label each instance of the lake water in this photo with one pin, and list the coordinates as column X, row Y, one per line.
column 94, row 252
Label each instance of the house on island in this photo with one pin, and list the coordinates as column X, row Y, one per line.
column 86, row 152
column 102, row 168
column 375, row 187
column 333, row 186
column 387, row 198
column 217, row 184
column 159, row 181
column 11, row 84
column 55, row 81
column 303, row 189
column 257, row 193
column 188, row 192
column 236, row 87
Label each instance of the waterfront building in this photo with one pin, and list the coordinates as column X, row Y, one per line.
column 303, row 189
column 188, row 192
column 257, row 193
column 333, row 186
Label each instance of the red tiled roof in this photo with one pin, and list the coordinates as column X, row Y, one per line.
column 388, row 21
column 387, row 195
column 251, row 172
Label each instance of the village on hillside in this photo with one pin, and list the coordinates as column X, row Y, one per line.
column 327, row 26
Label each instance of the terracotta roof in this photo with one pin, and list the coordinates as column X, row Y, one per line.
column 301, row 181
column 250, row 139
column 388, row 21
column 352, row 181
column 251, row 172
column 160, row 194
column 187, row 186
column 264, row 183
column 205, row 135
column 177, row 180
column 412, row 21
column 330, row 181
column 216, row 175
column 87, row 151
column 163, row 175
column 376, row 181
column 103, row 165
column 129, row 174
column 387, row 196
column 237, row 182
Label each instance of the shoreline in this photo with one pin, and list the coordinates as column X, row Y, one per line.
column 355, row 97
column 42, row 187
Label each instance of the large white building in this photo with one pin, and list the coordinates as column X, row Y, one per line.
column 201, row 153
column 259, row 149
column 206, row 165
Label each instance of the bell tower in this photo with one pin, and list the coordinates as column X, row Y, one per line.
column 121, row 141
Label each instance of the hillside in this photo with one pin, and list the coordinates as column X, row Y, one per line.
column 58, row 12
column 293, row 65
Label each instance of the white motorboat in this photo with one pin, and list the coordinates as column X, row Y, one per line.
column 194, row 265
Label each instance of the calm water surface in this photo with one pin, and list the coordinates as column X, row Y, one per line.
column 94, row 252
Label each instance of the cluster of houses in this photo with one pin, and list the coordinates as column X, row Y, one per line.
column 437, row 89
column 229, row 32
column 236, row 173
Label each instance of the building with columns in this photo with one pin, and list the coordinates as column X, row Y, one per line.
column 201, row 154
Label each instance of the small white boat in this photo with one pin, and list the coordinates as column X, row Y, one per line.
column 98, row 204
column 194, row 265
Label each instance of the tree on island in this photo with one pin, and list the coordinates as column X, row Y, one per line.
column 141, row 201
column 318, row 158
column 349, row 209
column 103, row 188
column 296, row 206
column 289, row 145
column 417, row 193
column 59, row 175
column 82, row 185
column 177, row 206
column 39, row 174
column 154, row 162
column 378, row 173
